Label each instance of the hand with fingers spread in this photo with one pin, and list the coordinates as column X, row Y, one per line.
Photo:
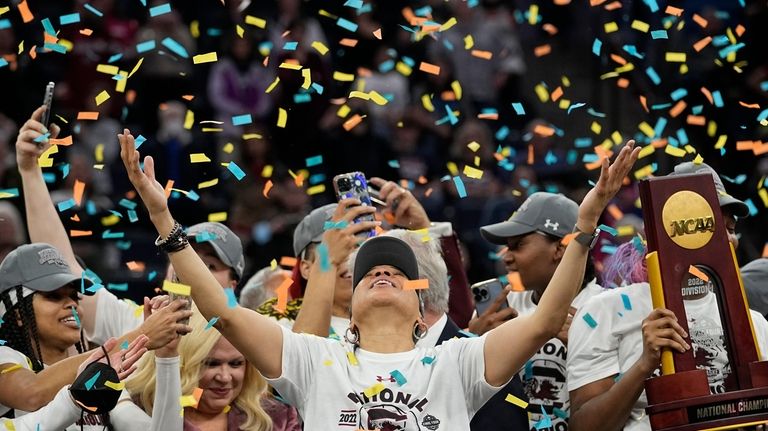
column 493, row 316
column 341, row 241
column 661, row 331
column 150, row 191
column 610, row 181
column 406, row 209
column 563, row 334
column 123, row 360
column 170, row 349
column 162, row 325
column 27, row 149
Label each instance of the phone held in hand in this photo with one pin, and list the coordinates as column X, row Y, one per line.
column 485, row 292
column 353, row 185
column 174, row 296
column 47, row 101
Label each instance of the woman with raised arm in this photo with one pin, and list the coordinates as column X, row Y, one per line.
column 378, row 378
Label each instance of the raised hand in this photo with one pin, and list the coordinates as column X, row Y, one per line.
column 162, row 325
column 406, row 209
column 341, row 242
column 492, row 316
column 150, row 191
column 123, row 361
column 27, row 150
column 610, row 181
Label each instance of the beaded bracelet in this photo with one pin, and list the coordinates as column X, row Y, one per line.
column 175, row 241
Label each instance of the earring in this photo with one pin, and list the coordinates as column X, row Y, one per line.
column 420, row 330
column 352, row 335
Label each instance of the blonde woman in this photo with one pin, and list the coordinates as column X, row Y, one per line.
column 234, row 394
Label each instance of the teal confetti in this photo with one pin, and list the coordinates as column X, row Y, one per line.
column 151, row 276
column 729, row 49
column 71, row 18
column 126, row 203
column 175, row 47
column 638, row 243
column 211, row 322
column 290, row 46
column 42, row 138
column 160, row 9
column 121, row 287
column 576, row 106
column 608, row 249
column 92, row 381
column 133, row 217
column 590, row 321
column 4, row 23
column 67, row 204
column 762, row 116
column 597, row 46
column 528, row 371
column 235, row 170
column 93, row 10
column 354, row 4
column 145, row 46
column 231, row 299
column 652, row 5
column 192, row 195
column 751, row 206
column 651, row 72
column 346, row 24
column 560, row 413
column 48, row 27
column 399, row 377
column 107, row 234
column 9, row 193
column 114, row 58
column 325, row 259
column 717, row 98
column 627, row 303
column 545, row 422
column 518, row 107
column 594, row 113
column 467, row 334
column 678, row 94
column 659, row 34
column 341, row 224
column 427, row 360
column 95, row 287
column 317, row 87
column 460, row 189
column 609, row 230
column 394, row 164
column 77, row 318
column 451, row 116
column 125, row 345
column 314, row 161
column 239, row 120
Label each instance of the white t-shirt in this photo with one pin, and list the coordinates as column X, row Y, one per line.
column 616, row 342
column 544, row 375
column 444, row 386
column 114, row 317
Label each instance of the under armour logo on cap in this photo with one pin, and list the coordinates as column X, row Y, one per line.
column 549, row 225
column 51, row 256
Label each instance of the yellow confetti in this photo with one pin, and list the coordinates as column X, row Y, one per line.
column 646, row 151
column 206, row 184
column 675, row 57
column 119, row 386
column 107, row 68
column 228, row 148
column 674, row 151
column 643, row 172
column 352, row 358
column 469, row 42
column 240, row 31
column 282, row 117
column 4, row 9
column 45, row 160
column 194, row 28
column 102, row 97
column 198, row 158
column 640, row 26
column 474, row 146
column 542, row 93
column 764, row 196
column 320, row 188
column 21, row 47
column 98, row 153
column 11, row 368
column 427, row 102
column 343, row 77
column 273, row 85
column 9, row 424
column 628, row 230
column 448, row 24
column 471, row 172
column 359, row 95
column 456, row 87
column 533, row 14
column 721, row 141
column 110, row 220
column 516, row 401
column 564, row 104
column 217, row 217
column 647, row 129
column 177, row 288
column 256, row 21
column 327, row 362
column 136, row 67
column 189, row 119
column 698, row 159
column 452, row 168
column 343, row 111
column 307, row 75
column 374, row 389
column 290, row 66
column 610, row 27
column 205, row 58
column 266, row 172
column 596, row 128
column 403, row 68
column 378, row 98
column 320, row 47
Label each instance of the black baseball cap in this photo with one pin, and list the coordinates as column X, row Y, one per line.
column 384, row 250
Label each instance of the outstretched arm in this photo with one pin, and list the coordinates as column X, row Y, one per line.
column 511, row 344
column 240, row 326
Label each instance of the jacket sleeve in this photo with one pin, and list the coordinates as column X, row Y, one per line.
column 57, row 415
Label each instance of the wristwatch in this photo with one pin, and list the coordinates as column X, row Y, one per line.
column 586, row 239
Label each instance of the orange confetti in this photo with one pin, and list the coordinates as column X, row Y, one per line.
column 615, row 212
column 422, row 179
column 78, row 190
column 87, row 115
column 419, row 284
column 33, row 52
column 760, row 148
column 530, row 154
column 697, row 273
column 677, row 109
column 168, row 187
column 488, row 116
column 288, row 261
column 671, row 10
column 556, row 94
column 64, row 142
column 26, row 14
column 740, row 30
column 745, row 145
column 644, row 103
column 562, row 2
column 708, row 95
column 542, row 50
column 429, row 68
column 86, row 31
column 765, row 250
column 352, row 122
column 188, row 97
column 130, row 96
column 515, row 281
column 364, row 72
column 428, row 192
column 299, row 179
column 618, row 59
column 659, row 143
column 75, row 218
column 135, row 266
column 348, row 42
column 49, row 38
column 282, row 295
column 622, row 83
column 543, row 130
column 377, row 33
column 596, row 2
column 613, row 5
column 76, row 233
column 485, row 55
column 698, row 46
column 568, row 238
column 267, row 188
column 549, row 28
column 696, row 120
column 749, row 105
column 700, row 20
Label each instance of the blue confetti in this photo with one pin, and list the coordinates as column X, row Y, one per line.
column 290, row 46
column 608, row 249
column 394, row 164
column 597, row 45
column 114, row 58
column 652, row 5
column 729, row 49
column 659, row 34
column 5, row 23
column 302, row 98
column 354, row 4
column 594, row 113
column 125, row 345
column 607, row 229
column 133, row 217
column 528, row 371
column 48, row 27
column 460, row 187
column 174, row 46
column 2, row 342
column 160, row 9
column 93, row 10
column 64, row 170
column 192, row 195
column 151, row 276
column 325, row 259
column 582, row 142
column 651, row 72
column 236, row 171
column 399, row 377
column 9, row 193
column 314, row 161
column 317, row 87
column 632, row 50
column 145, row 46
column 576, row 106
column 751, row 206
column 231, row 299
column 107, row 234
column 467, row 334
column 71, row 18
column 626, row 301
column 682, row 136
column 67, row 204
column 239, row 120
column 678, row 94
column 590, row 321
column 122, row 287
column 129, row 204
column 661, row 123
column 502, row 134
column 211, row 322
column 518, row 107
column 341, row 224
column 451, row 116
column 545, row 422
column 762, row 115
column 92, row 381
column 346, row 24
column 77, row 318
column 427, row 360
column 638, row 243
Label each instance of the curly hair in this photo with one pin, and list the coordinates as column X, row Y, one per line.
column 21, row 336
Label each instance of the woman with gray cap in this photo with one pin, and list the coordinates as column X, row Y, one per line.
column 378, row 378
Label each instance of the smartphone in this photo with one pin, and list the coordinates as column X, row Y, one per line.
column 47, row 101
column 485, row 292
column 353, row 185
column 174, row 296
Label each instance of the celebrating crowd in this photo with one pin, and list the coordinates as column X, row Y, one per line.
column 348, row 339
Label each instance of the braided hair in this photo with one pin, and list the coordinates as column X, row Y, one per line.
column 24, row 338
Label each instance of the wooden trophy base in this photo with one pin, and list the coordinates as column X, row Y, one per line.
column 682, row 402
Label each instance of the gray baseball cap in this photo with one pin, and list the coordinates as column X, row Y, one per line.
column 738, row 207
column 225, row 243
column 38, row 267
column 754, row 275
column 550, row 213
column 311, row 227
